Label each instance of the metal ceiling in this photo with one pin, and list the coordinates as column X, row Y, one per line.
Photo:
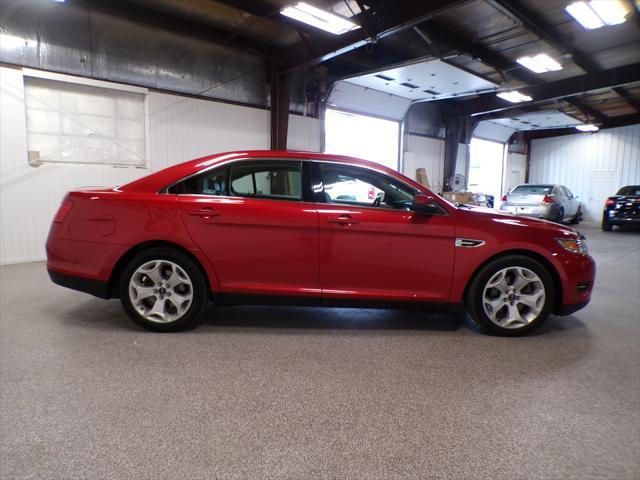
column 482, row 37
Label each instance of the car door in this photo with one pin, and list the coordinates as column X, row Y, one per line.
column 372, row 246
column 252, row 222
column 572, row 203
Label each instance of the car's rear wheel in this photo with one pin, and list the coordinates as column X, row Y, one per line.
column 163, row 290
column 511, row 295
column 560, row 216
column 606, row 226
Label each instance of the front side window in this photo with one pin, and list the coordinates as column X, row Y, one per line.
column 277, row 180
column 356, row 186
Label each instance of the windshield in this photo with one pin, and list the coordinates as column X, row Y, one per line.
column 536, row 189
column 632, row 190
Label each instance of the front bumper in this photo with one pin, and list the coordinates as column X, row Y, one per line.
column 538, row 211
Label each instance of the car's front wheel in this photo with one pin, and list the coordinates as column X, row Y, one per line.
column 163, row 290
column 511, row 295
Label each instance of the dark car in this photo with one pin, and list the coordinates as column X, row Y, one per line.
column 622, row 209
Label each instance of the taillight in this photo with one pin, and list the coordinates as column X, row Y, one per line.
column 504, row 198
column 547, row 199
column 62, row 212
column 609, row 202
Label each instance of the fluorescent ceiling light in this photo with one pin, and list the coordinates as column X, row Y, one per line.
column 540, row 63
column 305, row 13
column 612, row 12
column 515, row 96
column 597, row 13
column 588, row 127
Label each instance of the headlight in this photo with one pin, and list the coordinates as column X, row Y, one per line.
column 573, row 245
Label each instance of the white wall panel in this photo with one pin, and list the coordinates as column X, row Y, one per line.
column 515, row 171
column 571, row 160
column 304, row 133
column 179, row 129
column 427, row 153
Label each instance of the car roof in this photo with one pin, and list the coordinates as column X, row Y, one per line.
column 158, row 180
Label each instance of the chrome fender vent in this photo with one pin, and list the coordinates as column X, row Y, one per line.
column 469, row 243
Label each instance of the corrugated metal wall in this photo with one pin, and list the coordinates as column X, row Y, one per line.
column 180, row 128
column 571, row 160
column 428, row 153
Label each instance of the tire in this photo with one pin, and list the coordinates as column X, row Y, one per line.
column 606, row 226
column 560, row 216
column 182, row 289
column 533, row 278
column 578, row 217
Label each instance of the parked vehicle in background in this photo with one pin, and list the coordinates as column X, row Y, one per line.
column 623, row 208
column 298, row 228
column 553, row 202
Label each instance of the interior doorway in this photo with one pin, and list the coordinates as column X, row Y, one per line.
column 485, row 168
column 361, row 136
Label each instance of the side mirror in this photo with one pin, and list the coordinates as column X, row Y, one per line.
column 424, row 204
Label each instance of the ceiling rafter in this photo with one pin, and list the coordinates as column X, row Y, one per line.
column 566, row 89
column 537, row 25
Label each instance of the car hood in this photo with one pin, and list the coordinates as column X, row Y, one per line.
column 483, row 216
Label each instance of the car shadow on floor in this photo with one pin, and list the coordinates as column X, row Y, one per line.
column 96, row 313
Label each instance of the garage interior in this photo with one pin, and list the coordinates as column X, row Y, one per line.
column 104, row 92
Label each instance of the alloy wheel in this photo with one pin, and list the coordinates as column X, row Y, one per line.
column 160, row 291
column 513, row 297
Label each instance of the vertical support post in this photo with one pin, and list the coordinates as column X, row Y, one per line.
column 453, row 129
column 280, row 98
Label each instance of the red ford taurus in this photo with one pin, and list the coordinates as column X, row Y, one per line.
column 309, row 229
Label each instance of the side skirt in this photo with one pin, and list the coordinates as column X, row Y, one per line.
column 248, row 299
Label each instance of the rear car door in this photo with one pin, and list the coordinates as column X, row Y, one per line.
column 372, row 246
column 252, row 221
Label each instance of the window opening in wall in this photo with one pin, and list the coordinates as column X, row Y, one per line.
column 74, row 123
column 485, row 168
column 361, row 136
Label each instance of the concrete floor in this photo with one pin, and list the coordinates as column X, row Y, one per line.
column 263, row 392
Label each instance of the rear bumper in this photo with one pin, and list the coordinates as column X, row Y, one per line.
column 537, row 211
column 88, row 285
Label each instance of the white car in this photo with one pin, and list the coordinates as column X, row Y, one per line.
column 553, row 202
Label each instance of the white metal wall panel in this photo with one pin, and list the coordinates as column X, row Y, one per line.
column 427, row 153
column 180, row 129
column 304, row 133
column 183, row 128
column 570, row 160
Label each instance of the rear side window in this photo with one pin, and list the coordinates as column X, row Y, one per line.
column 208, row 183
column 630, row 190
column 535, row 189
column 266, row 179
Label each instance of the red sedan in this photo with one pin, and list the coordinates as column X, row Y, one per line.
column 297, row 228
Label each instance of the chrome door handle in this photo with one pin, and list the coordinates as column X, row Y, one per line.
column 206, row 213
column 343, row 220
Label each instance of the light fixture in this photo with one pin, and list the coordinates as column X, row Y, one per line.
column 587, row 127
column 515, row 96
column 305, row 13
column 540, row 63
column 597, row 13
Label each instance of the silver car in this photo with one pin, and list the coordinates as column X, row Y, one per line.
column 553, row 202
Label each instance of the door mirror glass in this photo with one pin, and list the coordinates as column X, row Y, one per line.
column 424, row 204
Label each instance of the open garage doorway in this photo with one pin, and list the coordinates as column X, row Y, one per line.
column 361, row 136
column 485, row 168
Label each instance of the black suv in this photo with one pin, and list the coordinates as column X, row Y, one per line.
column 622, row 209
